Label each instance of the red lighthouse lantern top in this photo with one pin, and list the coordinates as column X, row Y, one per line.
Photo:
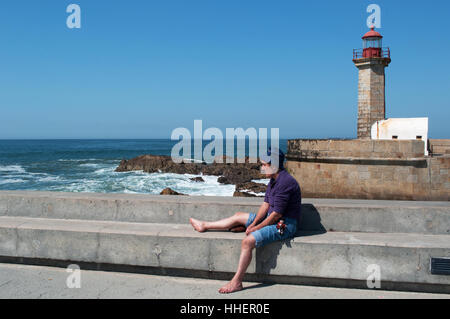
column 372, row 40
column 372, row 34
column 372, row 47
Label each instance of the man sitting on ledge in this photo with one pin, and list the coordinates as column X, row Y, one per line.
column 282, row 202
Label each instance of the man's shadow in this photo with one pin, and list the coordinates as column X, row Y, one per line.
column 309, row 225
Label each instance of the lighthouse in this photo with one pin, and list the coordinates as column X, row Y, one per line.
column 371, row 61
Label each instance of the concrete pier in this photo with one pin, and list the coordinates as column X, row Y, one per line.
column 337, row 241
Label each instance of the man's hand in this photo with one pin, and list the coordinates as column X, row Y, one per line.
column 251, row 229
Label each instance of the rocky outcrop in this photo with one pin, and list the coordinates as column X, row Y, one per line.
column 230, row 173
column 243, row 194
column 248, row 188
column 169, row 191
column 251, row 186
column 197, row 179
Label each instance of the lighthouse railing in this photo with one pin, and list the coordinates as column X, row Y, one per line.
column 383, row 53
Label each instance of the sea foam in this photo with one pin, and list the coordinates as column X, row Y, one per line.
column 12, row 168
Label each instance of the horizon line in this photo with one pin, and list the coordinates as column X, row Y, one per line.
column 159, row 138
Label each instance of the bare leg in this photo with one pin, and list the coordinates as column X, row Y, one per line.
column 223, row 224
column 246, row 257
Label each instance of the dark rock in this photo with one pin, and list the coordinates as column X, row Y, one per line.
column 197, row 179
column 223, row 180
column 251, row 186
column 243, row 194
column 169, row 191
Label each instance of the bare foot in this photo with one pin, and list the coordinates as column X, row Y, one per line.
column 231, row 287
column 198, row 225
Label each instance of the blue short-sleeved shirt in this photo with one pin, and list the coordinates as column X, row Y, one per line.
column 284, row 196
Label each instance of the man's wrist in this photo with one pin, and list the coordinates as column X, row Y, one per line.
column 259, row 226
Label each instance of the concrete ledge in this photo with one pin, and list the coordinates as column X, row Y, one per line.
column 414, row 162
column 403, row 258
column 318, row 214
column 358, row 148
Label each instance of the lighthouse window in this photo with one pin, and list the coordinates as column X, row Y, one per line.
column 372, row 43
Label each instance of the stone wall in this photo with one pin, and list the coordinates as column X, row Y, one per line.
column 368, row 169
column 439, row 146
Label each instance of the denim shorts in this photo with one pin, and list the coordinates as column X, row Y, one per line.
column 269, row 234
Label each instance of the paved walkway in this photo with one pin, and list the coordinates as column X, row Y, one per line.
column 24, row 281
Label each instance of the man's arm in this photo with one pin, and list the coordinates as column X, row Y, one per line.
column 261, row 213
column 280, row 203
column 263, row 209
column 272, row 219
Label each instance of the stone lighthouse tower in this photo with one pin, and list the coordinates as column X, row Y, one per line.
column 371, row 62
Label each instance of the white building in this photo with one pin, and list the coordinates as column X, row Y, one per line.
column 402, row 129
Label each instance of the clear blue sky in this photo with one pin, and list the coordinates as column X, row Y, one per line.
column 139, row 69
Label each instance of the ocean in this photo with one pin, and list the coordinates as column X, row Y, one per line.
column 87, row 165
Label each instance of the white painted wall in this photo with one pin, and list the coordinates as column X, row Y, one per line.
column 404, row 128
